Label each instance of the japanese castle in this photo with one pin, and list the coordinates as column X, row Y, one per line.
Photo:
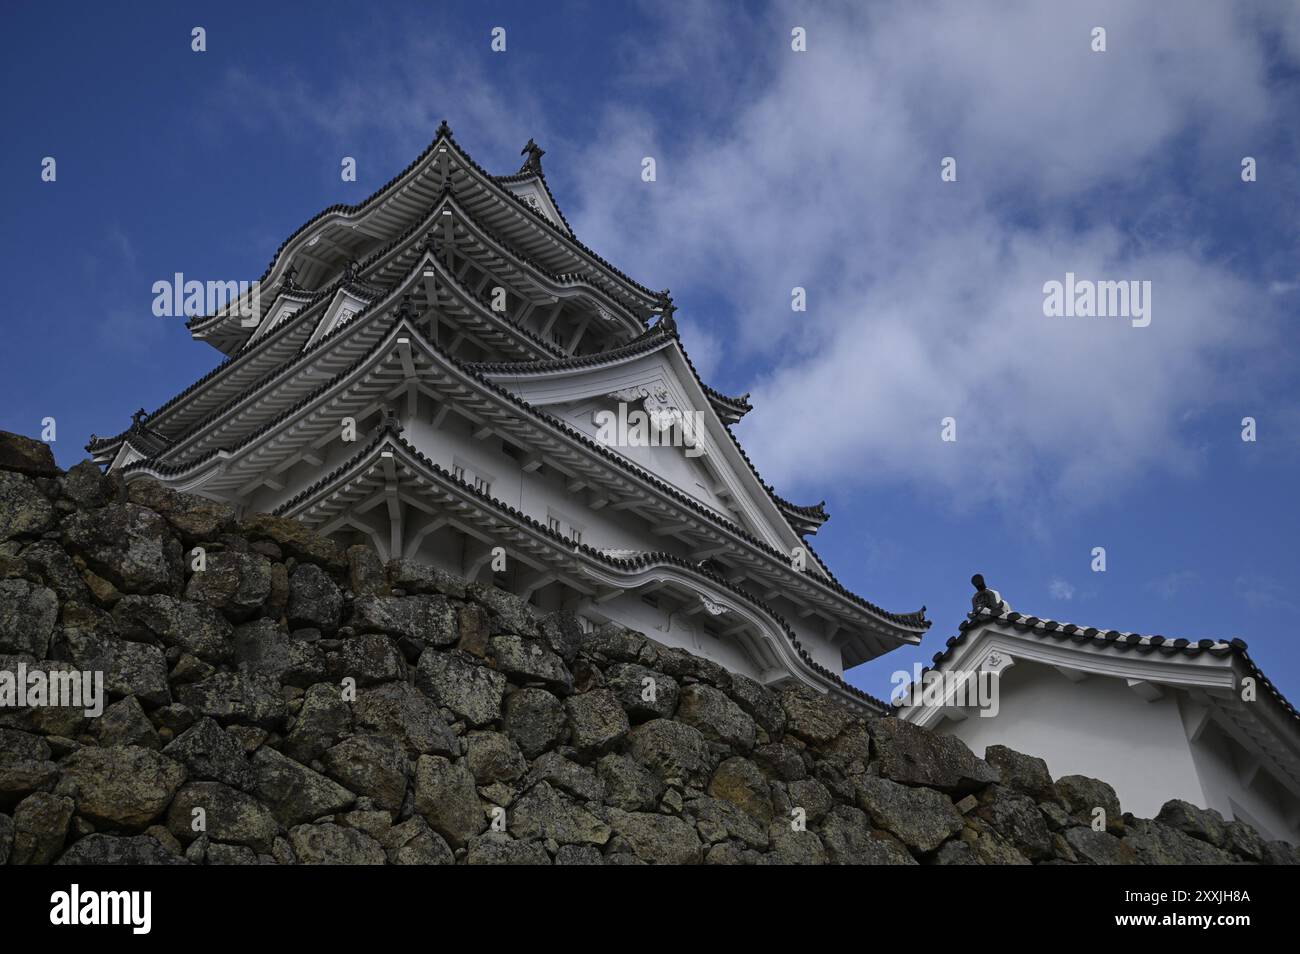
column 430, row 371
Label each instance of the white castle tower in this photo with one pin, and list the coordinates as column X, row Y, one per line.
column 446, row 372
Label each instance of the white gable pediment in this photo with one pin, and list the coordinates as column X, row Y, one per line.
column 281, row 309
column 659, row 419
column 534, row 195
column 342, row 309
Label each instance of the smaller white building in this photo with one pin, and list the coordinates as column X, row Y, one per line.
column 1157, row 718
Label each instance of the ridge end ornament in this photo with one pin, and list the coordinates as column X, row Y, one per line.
column 534, row 153
column 667, row 310
column 986, row 597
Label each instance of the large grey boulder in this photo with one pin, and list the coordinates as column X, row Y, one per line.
column 920, row 818
column 454, row 680
column 657, row 839
column 237, row 584
column 643, row 693
column 293, row 792
column 1083, row 796
column 535, row 720
column 194, row 518
column 27, row 616
column 247, row 698
column 914, row 756
column 543, row 812
column 222, row 813
column 127, row 787
column 400, row 711
column 1024, row 773
column 193, row 627
column 428, row 618
column 314, row 600
column 131, row 547
column 672, row 750
column 40, row 828
column 26, row 455
column 117, row 850
column 446, row 797
column 24, row 510
column 849, row 839
column 596, row 720
column 717, row 717
column 210, row 753
column 528, row 660
column 330, row 844
column 371, row 765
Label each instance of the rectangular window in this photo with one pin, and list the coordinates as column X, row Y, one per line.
column 575, row 534
column 553, row 523
column 481, row 485
column 458, row 471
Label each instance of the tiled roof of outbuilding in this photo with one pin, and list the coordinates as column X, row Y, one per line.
column 1128, row 642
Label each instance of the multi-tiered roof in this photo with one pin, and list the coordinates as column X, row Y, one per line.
column 457, row 306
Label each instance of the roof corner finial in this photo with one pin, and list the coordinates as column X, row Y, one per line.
column 137, row 419
column 987, row 598
column 444, row 130
column 351, row 270
column 534, row 153
column 666, row 311
column 288, row 283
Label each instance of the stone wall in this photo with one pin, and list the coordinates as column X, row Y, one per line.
column 312, row 705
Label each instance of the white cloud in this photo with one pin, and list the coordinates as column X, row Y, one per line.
column 1059, row 589
column 821, row 169
column 925, row 297
column 1263, row 593
column 1171, row 584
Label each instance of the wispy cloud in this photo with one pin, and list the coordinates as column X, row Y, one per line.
column 821, row 170
column 925, row 297
column 1264, row 593
column 1059, row 589
column 1172, row 584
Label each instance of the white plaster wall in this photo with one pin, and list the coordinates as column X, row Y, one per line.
column 1263, row 804
column 1098, row 727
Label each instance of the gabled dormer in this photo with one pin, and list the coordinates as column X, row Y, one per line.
column 289, row 302
column 347, row 304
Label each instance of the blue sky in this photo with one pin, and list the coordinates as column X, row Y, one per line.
column 775, row 169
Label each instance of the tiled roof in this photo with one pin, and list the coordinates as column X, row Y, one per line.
column 365, row 290
column 812, row 517
column 913, row 620
column 390, row 432
column 444, row 134
column 641, row 344
column 739, row 404
column 1127, row 642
